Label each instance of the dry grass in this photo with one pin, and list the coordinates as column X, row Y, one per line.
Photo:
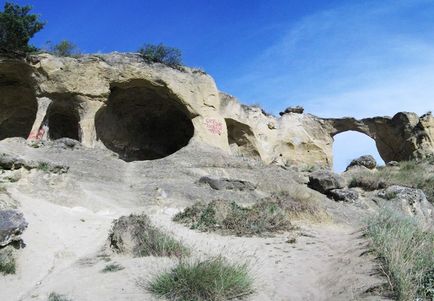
column 229, row 218
column 272, row 214
column 407, row 254
column 213, row 279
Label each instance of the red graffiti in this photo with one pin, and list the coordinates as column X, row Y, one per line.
column 37, row 135
column 214, row 126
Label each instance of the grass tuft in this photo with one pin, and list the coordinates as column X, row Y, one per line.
column 407, row 254
column 212, row 279
column 58, row 297
column 7, row 261
column 112, row 267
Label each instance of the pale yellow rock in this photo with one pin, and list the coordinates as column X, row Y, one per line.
column 92, row 90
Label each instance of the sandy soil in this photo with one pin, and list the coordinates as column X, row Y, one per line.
column 70, row 217
column 64, row 247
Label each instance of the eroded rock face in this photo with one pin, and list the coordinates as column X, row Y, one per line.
column 145, row 111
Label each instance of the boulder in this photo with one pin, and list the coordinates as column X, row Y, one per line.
column 410, row 201
column 12, row 225
column 367, row 161
column 227, row 184
column 325, row 181
column 345, row 195
column 296, row 110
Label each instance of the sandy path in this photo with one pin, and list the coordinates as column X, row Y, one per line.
column 61, row 256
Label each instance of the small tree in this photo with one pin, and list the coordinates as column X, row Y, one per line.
column 64, row 48
column 17, row 27
column 162, row 54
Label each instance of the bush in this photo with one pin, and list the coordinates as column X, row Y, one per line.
column 7, row 261
column 17, row 27
column 64, row 48
column 230, row 218
column 161, row 54
column 212, row 279
column 407, row 254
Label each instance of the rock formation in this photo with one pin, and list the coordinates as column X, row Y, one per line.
column 147, row 111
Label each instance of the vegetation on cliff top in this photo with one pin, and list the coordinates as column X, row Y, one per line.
column 17, row 27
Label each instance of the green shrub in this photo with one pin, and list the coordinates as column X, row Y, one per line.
column 407, row 254
column 230, row 218
column 17, row 27
column 64, row 48
column 7, row 261
column 161, row 54
column 57, row 297
column 212, row 279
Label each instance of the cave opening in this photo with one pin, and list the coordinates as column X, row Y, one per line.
column 143, row 123
column 18, row 105
column 241, row 138
column 63, row 120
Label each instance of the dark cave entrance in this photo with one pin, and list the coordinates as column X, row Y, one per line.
column 143, row 123
column 18, row 106
column 63, row 120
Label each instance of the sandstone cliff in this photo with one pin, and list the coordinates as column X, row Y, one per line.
column 147, row 111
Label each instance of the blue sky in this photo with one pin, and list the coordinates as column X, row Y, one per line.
column 336, row 58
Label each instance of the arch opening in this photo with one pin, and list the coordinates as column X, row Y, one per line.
column 18, row 104
column 241, row 138
column 143, row 123
column 63, row 120
column 350, row 145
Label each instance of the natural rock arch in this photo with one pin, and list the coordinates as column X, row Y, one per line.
column 349, row 145
column 143, row 122
column 63, row 119
column 18, row 105
column 241, row 138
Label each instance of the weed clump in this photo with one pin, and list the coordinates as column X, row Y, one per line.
column 212, row 279
column 407, row 254
column 7, row 261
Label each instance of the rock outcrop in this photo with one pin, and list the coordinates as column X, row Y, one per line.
column 12, row 225
column 368, row 162
column 145, row 111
